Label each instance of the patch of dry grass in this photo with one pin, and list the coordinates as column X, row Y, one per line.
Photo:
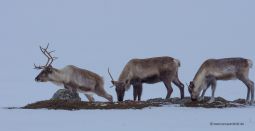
column 157, row 102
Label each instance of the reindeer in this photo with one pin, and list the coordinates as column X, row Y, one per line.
column 221, row 69
column 150, row 71
column 72, row 78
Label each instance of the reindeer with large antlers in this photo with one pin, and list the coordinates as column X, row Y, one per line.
column 72, row 78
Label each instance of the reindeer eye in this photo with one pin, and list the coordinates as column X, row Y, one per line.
column 48, row 70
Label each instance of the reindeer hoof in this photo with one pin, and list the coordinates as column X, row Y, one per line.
column 249, row 102
column 200, row 98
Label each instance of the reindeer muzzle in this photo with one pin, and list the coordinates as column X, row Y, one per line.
column 120, row 99
column 37, row 79
column 193, row 99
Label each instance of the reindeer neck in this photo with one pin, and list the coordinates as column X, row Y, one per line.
column 57, row 76
column 125, row 74
column 199, row 79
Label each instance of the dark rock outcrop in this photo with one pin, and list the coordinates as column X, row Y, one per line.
column 64, row 94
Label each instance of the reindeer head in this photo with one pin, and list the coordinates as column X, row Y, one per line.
column 119, row 87
column 47, row 69
column 193, row 93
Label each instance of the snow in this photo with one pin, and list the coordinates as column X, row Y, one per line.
column 97, row 34
column 161, row 119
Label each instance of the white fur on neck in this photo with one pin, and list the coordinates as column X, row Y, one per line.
column 199, row 82
column 57, row 78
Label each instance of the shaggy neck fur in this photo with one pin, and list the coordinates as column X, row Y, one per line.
column 199, row 80
column 56, row 77
column 125, row 77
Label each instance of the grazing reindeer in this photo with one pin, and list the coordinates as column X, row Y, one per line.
column 150, row 71
column 72, row 78
column 221, row 69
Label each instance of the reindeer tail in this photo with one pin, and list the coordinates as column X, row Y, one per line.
column 178, row 62
column 250, row 63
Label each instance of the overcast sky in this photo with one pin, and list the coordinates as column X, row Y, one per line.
column 97, row 34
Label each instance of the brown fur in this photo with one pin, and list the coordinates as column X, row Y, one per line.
column 71, row 77
column 221, row 69
column 150, row 71
column 75, row 79
column 240, row 65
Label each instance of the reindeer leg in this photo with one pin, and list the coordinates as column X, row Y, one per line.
column 203, row 93
column 248, row 93
column 250, row 89
column 106, row 96
column 169, row 88
column 101, row 92
column 250, row 85
column 179, row 84
column 139, row 91
column 252, row 92
column 202, row 97
column 213, row 83
column 135, row 93
column 90, row 97
column 70, row 88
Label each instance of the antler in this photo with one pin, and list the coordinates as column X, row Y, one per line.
column 111, row 78
column 38, row 67
column 110, row 74
column 48, row 55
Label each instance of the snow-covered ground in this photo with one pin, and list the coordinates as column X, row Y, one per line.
column 97, row 34
column 160, row 119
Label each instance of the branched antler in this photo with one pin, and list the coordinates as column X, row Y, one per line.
column 48, row 55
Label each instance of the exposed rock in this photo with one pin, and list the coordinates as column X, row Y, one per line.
column 64, row 94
